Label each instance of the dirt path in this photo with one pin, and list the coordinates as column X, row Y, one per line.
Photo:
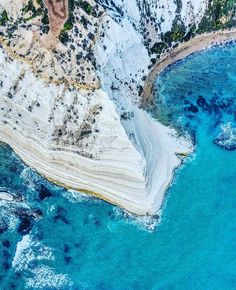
column 58, row 14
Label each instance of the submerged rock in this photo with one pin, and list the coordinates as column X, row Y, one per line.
column 202, row 103
column 6, row 243
column 192, row 108
column 3, row 227
column 44, row 192
column 227, row 137
column 25, row 225
column 27, row 219
column 60, row 215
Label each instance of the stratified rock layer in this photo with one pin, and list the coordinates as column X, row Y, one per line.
column 71, row 82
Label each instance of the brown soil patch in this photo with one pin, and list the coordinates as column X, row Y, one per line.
column 58, row 14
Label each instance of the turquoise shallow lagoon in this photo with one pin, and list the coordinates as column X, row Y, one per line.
column 57, row 239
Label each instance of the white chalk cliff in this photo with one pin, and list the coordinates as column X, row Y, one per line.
column 72, row 111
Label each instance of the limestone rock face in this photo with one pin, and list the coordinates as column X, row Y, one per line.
column 71, row 79
column 71, row 136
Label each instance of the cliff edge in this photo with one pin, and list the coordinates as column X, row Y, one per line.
column 71, row 82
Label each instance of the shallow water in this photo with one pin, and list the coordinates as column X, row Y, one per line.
column 58, row 239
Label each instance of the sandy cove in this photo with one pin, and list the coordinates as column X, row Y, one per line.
column 196, row 44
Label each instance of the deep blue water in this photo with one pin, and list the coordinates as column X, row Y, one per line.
column 72, row 241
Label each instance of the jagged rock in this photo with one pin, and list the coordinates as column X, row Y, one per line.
column 227, row 137
column 44, row 192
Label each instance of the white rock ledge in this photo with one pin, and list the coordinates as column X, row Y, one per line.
column 125, row 187
column 106, row 163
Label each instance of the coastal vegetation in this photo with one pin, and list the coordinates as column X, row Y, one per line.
column 72, row 4
column 71, row 19
column 159, row 47
column 64, row 36
column 221, row 14
column 87, row 7
column 3, row 18
column 35, row 9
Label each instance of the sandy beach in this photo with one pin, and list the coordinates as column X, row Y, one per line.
column 198, row 43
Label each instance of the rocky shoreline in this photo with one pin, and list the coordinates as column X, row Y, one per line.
column 70, row 107
column 116, row 171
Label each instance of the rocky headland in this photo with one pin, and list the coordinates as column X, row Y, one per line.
column 76, row 82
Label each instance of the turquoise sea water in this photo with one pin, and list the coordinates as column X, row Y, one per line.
column 57, row 239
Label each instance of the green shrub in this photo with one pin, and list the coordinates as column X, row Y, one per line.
column 88, row 8
column 68, row 26
column 71, row 19
column 220, row 15
column 4, row 18
column 45, row 19
column 64, row 37
column 158, row 47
